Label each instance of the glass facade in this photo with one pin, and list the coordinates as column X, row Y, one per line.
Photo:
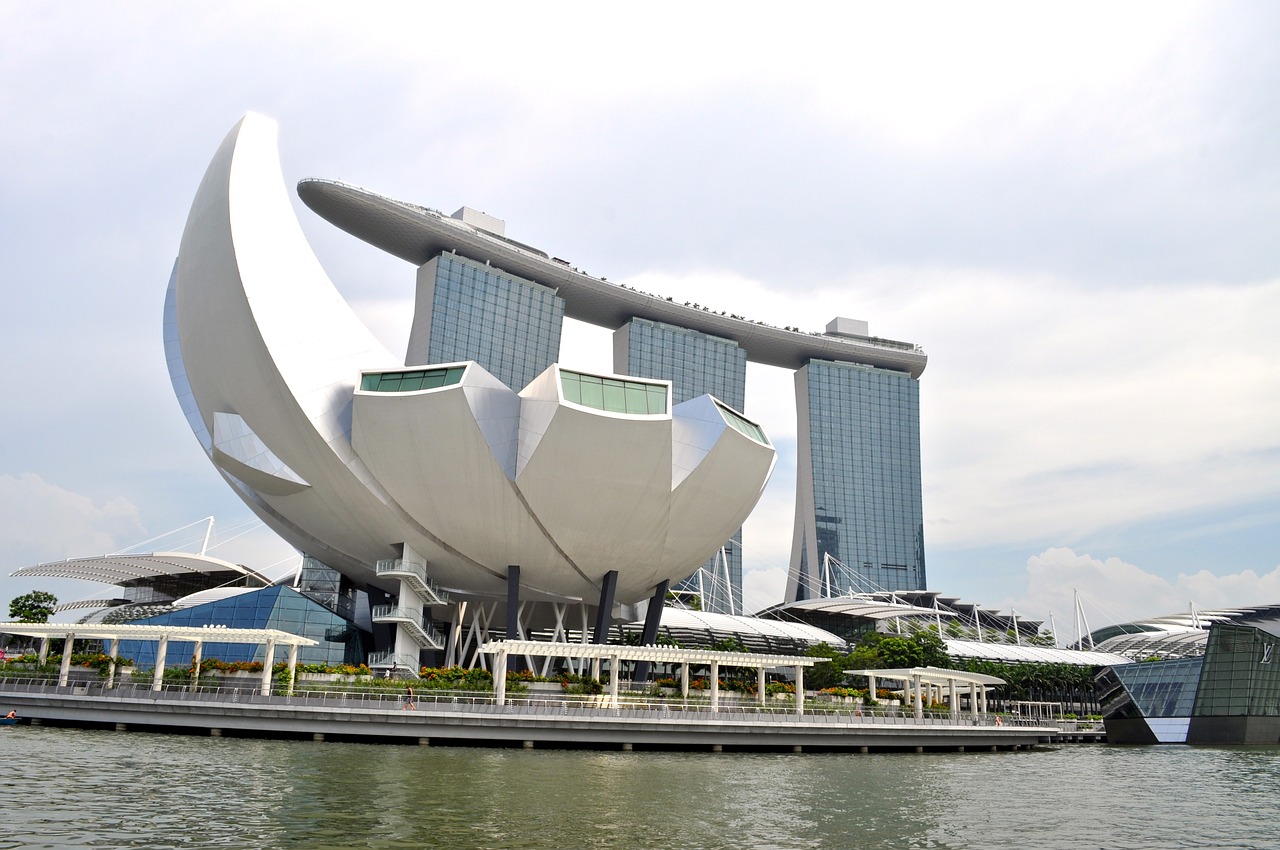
column 274, row 607
column 1241, row 672
column 613, row 394
column 858, row 482
column 1153, row 689
column 411, row 380
column 696, row 364
column 511, row 327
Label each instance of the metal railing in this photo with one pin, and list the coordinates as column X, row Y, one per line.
column 528, row 704
column 380, row 660
column 411, row 619
column 415, row 575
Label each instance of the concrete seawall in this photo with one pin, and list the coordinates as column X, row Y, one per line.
column 534, row 723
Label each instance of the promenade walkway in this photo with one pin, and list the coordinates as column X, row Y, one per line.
column 447, row 717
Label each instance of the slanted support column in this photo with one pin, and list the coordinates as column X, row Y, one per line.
column 44, row 651
column 615, row 665
column 293, row 666
column 113, row 650
column 513, row 606
column 652, row 620
column 604, row 614
column 268, row 661
column 162, row 649
column 799, row 690
column 196, row 658
column 513, row 602
column 715, row 685
column 64, row 669
column 500, row 678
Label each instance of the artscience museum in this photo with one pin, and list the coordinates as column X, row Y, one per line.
column 476, row 487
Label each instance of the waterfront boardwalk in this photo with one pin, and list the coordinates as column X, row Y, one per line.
column 535, row 720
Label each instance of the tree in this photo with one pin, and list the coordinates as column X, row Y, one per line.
column 34, row 607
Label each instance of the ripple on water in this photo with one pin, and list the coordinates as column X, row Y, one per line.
column 69, row 788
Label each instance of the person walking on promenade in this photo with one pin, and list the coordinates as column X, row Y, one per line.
column 408, row 699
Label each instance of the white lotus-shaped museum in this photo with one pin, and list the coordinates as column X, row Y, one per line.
column 354, row 457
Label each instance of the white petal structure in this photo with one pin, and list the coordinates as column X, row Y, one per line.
column 350, row 455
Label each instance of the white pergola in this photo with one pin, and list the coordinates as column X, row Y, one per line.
column 917, row 681
column 501, row 649
column 199, row 635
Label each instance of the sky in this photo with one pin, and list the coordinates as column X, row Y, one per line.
column 1070, row 206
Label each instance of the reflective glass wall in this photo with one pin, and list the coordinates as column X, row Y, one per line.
column 1241, row 672
column 858, row 482
column 471, row 311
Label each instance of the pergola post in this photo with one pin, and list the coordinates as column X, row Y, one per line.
column 293, row 666
column 684, row 680
column 64, row 669
column 715, row 685
column 500, row 678
column 916, row 697
column 157, row 676
column 614, row 671
column 113, row 650
column 799, row 690
column 760, row 684
column 973, row 700
column 197, row 658
column 268, row 661
column 44, row 651
column 955, row 699
column 871, row 689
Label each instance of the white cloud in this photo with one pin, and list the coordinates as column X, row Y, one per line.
column 763, row 587
column 42, row 521
column 1115, row 591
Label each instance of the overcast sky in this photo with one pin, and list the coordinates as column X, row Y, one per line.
column 1071, row 207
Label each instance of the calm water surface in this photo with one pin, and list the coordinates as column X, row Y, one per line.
column 83, row 788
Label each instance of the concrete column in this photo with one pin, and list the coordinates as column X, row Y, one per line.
column 973, row 700
column 615, row 670
column 64, row 670
column 715, row 685
column 293, row 666
column 513, row 602
column 760, row 684
column 799, row 691
column 44, row 651
column 955, row 699
column 196, row 658
column 113, row 649
column 500, row 678
column 916, row 697
column 268, row 660
column 604, row 613
column 871, row 687
column 652, row 620
column 162, row 649
column 684, row 680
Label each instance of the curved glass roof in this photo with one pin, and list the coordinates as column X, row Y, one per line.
column 1009, row 653
column 116, row 569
